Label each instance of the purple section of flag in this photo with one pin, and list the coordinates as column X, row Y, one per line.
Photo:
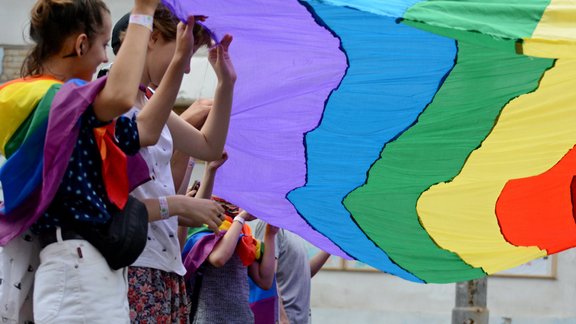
column 200, row 252
column 287, row 66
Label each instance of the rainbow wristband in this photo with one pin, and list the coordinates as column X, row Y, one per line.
column 143, row 20
column 164, row 211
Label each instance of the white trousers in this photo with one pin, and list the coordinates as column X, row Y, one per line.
column 74, row 284
column 18, row 262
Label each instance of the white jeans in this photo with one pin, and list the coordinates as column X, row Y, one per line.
column 74, row 284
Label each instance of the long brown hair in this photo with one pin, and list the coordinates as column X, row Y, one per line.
column 52, row 21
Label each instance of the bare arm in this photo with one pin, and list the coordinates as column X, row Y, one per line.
column 155, row 113
column 119, row 93
column 181, row 171
column 207, row 183
column 204, row 193
column 208, row 143
column 225, row 248
column 317, row 262
column 182, row 236
column 263, row 273
column 283, row 316
column 195, row 115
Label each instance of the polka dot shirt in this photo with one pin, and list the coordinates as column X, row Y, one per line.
column 81, row 196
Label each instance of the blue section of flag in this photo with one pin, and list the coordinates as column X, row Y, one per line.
column 394, row 72
column 22, row 172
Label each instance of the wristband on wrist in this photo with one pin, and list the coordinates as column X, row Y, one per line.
column 240, row 219
column 164, row 211
column 143, row 20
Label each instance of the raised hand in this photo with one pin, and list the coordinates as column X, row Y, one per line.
column 220, row 60
column 197, row 212
column 185, row 41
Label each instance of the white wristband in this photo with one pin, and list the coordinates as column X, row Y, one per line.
column 240, row 220
column 164, row 211
column 143, row 20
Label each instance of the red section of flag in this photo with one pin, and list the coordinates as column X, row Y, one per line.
column 538, row 211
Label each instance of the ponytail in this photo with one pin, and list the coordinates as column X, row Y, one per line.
column 52, row 21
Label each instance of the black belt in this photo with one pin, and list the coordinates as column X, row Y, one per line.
column 49, row 237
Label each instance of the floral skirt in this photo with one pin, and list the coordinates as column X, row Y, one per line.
column 156, row 296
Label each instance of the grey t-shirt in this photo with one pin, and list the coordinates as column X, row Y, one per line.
column 293, row 273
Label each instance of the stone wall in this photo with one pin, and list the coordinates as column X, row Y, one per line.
column 12, row 59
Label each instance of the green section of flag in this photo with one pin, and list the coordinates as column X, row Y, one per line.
column 434, row 150
column 491, row 23
column 38, row 116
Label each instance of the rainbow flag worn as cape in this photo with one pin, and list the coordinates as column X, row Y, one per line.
column 39, row 125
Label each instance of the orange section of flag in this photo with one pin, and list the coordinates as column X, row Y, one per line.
column 114, row 165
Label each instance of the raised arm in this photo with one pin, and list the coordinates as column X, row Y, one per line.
column 204, row 194
column 195, row 115
column 155, row 112
column 207, row 183
column 262, row 273
column 225, row 248
column 317, row 262
column 119, row 93
column 208, row 143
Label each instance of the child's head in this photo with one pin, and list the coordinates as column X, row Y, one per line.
column 71, row 32
column 162, row 41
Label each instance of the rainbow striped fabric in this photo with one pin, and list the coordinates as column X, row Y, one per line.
column 38, row 131
column 431, row 139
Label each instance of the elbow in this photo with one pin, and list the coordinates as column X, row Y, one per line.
column 109, row 107
column 216, row 261
column 122, row 103
column 147, row 139
column 125, row 104
column 266, row 284
column 213, row 156
column 267, row 287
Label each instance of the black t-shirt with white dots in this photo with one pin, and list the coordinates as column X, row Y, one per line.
column 81, row 197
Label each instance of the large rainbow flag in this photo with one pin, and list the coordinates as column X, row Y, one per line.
column 431, row 139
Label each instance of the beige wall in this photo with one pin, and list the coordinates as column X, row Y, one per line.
column 11, row 58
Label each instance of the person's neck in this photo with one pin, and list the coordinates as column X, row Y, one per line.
column 144, row 82
column 57, row 69
column 145, row 79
